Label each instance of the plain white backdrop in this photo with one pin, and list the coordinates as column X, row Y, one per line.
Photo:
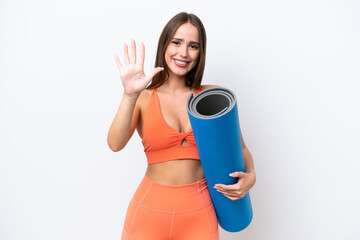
column 294, row 66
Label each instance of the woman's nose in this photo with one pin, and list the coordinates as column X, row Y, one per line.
column 183, row 51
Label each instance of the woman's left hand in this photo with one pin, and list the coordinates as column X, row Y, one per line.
column 238, row 190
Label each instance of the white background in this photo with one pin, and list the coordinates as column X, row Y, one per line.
column 294, row 66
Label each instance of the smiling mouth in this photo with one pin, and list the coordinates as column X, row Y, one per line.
column 180, row 63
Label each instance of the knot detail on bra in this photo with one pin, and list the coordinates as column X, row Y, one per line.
column 161, row 142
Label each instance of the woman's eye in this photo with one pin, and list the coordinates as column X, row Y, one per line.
column 176, row 42
column 194, row 46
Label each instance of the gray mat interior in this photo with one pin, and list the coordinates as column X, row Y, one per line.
column 211, row 103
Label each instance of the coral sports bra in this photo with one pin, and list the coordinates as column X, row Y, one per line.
column 161, row 142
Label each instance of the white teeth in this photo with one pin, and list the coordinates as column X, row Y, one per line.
column 180, row 62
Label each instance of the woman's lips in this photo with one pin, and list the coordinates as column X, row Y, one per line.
column 180, row 63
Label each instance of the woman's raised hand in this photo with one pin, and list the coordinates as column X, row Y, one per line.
column 132, row 74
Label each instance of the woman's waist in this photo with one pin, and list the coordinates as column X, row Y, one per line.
column 176, row 172
column 172, row 198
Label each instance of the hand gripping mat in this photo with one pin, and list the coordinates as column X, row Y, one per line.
column 215, row 123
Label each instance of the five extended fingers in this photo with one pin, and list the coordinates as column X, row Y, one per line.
column 132, row 59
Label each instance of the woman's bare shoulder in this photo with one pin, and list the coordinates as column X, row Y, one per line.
column 209, row 86
column 146, row 93
column 144, row 97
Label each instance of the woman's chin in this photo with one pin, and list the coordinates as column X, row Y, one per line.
column 179, row 73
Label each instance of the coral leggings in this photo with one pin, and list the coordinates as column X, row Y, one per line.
column 162, row 212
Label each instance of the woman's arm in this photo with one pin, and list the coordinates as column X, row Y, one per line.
column 248, row 160
column 124, row 123
column 134, row 81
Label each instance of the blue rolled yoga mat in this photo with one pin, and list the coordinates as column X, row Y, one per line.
column 215, row 123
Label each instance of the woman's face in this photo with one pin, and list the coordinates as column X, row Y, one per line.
column 183, row 50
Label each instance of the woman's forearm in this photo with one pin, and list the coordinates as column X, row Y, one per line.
column 249, row 163
column 120, row 130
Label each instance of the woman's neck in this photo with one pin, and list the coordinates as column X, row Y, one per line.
column 175, row 84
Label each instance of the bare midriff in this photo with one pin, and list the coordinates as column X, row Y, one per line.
column 176, row 172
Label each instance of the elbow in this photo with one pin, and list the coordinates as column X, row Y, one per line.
column 115, row 147
column 118, row 143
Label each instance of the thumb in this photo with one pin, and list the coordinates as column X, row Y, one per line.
column 237, row 174
column 154, row 72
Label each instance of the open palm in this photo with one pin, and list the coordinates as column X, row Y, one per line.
column 132, row 74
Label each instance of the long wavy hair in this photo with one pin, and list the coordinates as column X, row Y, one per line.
column 194, row 77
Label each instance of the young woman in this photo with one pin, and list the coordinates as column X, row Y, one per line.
column 172, row 200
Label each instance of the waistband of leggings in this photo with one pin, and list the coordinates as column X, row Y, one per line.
column 193, row 185
column 172, row 198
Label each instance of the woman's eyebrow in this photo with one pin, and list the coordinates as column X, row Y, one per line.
column 179, row 39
